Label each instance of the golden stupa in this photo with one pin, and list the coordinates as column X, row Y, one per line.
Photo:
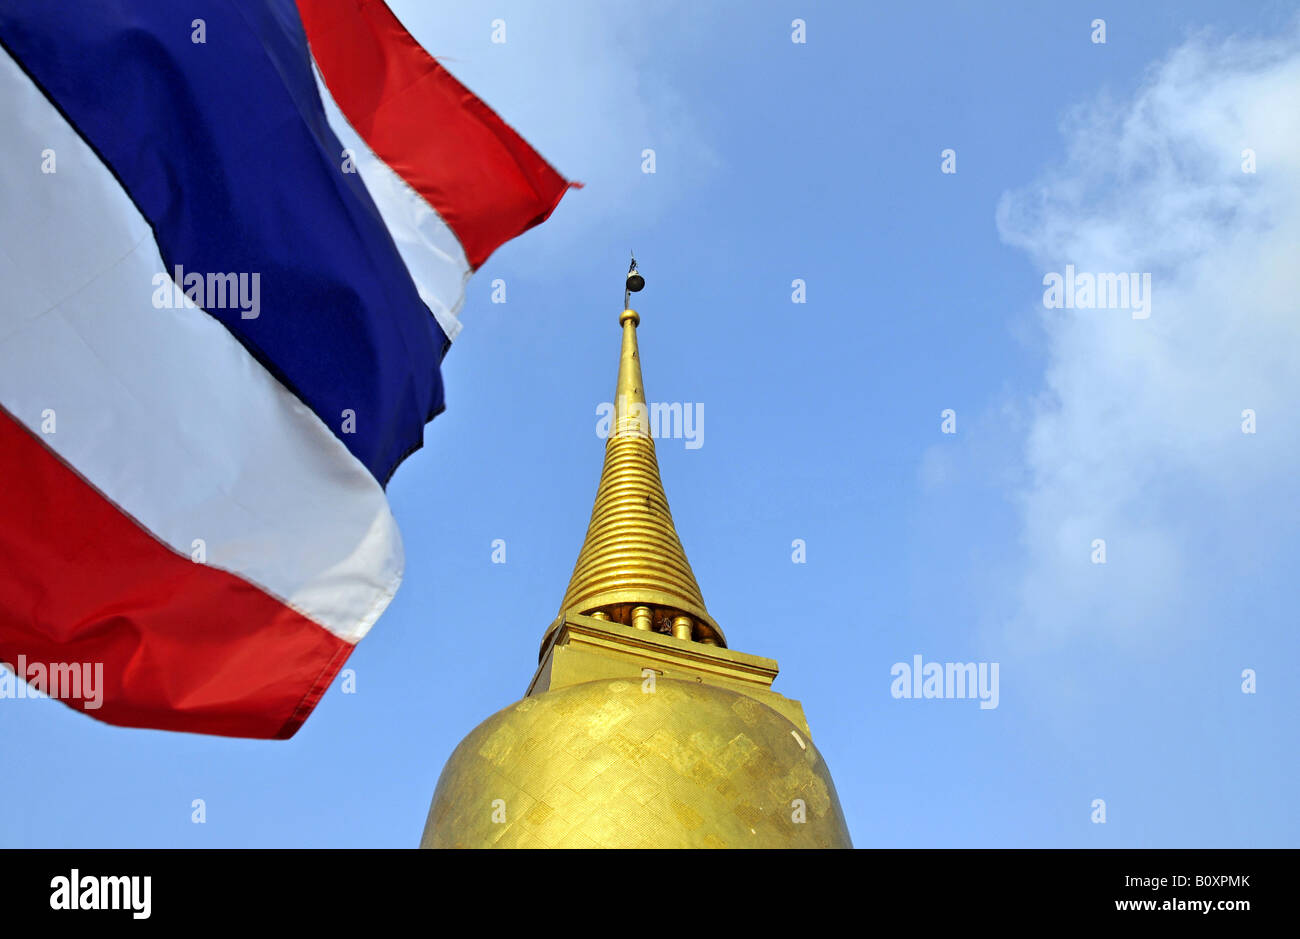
column 640, row 727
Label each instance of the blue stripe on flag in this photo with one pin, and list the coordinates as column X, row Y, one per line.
column 224, row 147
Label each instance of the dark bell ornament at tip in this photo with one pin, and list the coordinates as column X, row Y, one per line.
column 634, row 279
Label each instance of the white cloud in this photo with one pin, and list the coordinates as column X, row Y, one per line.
column 1136, row 437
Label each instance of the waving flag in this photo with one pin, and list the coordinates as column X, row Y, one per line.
column 233, row 249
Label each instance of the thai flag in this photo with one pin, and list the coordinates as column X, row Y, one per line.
column 234, row 243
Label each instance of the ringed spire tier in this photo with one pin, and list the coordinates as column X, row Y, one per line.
column 632, row 568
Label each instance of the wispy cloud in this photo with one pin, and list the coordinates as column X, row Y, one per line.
column 1137, row 435
column 590, row 91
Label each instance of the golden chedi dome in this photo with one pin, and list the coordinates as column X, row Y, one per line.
column 604, row 764
column 640, row 727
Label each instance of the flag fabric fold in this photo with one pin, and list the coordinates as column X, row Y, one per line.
column 233, row 255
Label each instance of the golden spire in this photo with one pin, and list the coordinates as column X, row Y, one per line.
column 632, row 568
column 637, row 730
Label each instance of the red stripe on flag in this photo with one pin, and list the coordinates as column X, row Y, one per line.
column 485, row 181
column 183, row 646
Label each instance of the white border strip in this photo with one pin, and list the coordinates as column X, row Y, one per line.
column 432, row 252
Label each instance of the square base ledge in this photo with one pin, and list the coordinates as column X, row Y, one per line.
column 583, row 648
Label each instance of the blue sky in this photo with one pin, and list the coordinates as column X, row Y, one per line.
column 821, row 161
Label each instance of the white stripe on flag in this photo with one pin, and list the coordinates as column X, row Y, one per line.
column 162, row 410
